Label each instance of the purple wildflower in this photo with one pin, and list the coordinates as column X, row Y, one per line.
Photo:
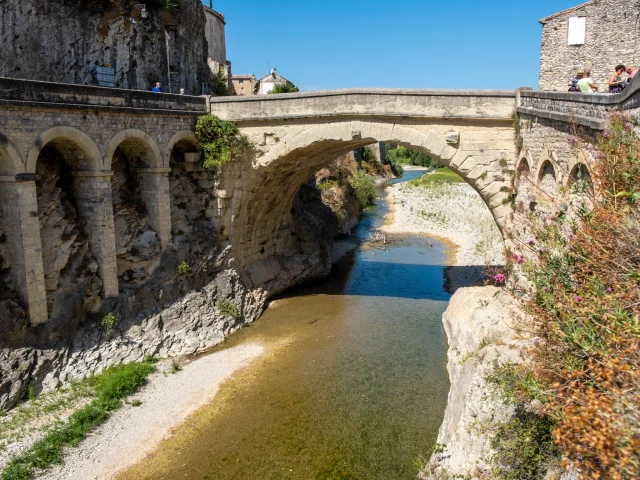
column 572, row 140
column 520, row 260
column 532, row 243
column 606, row 135
column 500, row 278
column 609, row 290
column 578, row 299
column 628, row 126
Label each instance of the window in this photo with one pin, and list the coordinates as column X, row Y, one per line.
column 577, row 30
column 241, row 81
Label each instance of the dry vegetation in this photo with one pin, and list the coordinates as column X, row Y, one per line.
column 584, row 373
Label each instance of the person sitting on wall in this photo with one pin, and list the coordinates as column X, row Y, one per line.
column 616, row 84
column 157, row 88
column 573, row 85
column 586, row 85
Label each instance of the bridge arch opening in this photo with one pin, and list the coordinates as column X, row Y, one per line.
column 264, row 227
column 70, row 265
column 136, row 185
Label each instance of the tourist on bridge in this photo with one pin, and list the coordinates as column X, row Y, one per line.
column 586, row 85
column 631, row 71
column 157, row 88
column 616, row 84
column 573, row 85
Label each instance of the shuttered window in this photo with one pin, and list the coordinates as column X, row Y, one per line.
column 577, row 30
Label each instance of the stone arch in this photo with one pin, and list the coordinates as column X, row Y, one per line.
column 80, row 151
column 524, row 183
column 10, row 161
column 262, row 216
column 547, row 176
column 139, row 146
column 184, row 138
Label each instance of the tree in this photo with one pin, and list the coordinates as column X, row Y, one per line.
column 284, row 88
column 220, row 83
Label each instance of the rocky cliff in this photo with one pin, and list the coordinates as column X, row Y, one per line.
column 480, row 323
column 65, row 40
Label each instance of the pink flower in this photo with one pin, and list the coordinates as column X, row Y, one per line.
column 532, row 243
column 609, row 290
column 521, row 260
column 572, row 140
column 606, row 135
column 578, row 299
column 545, row 289
column 601, row 155
column 628, row 126
column 500, row 278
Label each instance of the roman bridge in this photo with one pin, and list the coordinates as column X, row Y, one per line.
column 113, row 148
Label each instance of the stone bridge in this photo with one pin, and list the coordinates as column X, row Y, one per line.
column 107, row 138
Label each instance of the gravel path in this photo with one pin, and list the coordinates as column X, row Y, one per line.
column 167, row 401
column 454, row 212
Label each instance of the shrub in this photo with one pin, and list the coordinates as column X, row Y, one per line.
column 229, row 309
column 108, row 322
column 364, row 188
column 220, row 140
column 220, row 83
column 183, row 269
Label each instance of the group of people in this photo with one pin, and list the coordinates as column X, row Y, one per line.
column 158, row 89
column 583, row 83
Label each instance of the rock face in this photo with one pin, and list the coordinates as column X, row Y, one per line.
column 480, row 323
column 65, row 40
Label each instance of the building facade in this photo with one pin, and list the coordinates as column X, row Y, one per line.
column 268, row 82
column 244, row 85
column 216, row 41
column 595, row 35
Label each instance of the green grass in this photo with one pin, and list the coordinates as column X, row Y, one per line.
column 110, row 387
column 437, row 177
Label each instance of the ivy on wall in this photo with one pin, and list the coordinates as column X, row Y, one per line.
column 220, row 140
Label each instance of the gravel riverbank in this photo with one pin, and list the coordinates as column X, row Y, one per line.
column 453, row 212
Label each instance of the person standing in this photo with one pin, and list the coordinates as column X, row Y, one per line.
column 182, row 91
column 586, row 85
column 631, row 71
column 157, row 88
column 616, row 84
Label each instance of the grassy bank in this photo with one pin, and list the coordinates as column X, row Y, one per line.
column 437, row 177
column 109, row 389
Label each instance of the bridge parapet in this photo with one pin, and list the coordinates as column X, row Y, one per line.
column 380, row 103
column 589, row 110
column 50, row 94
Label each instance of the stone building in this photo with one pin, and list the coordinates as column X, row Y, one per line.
column 244, row 85
column 216, row 40
column 63, row 41
column 597, row 35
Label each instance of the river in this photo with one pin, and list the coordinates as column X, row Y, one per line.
column 353, row 384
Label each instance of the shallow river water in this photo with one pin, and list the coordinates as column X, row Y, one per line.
column 353, row 384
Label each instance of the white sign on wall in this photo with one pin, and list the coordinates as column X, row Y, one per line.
column 577, row 30
column 105, row 71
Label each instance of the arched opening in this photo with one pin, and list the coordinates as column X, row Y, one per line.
column 70, row 266
column 137, row 209
column 524, row 186
column 265, row 231
column 579, row 180
column 190, row 187
column 547, row 182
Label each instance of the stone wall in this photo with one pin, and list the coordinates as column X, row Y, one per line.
column 612, row 37
column 216, row 40
column 63, row 41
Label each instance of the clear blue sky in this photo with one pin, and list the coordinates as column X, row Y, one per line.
column 389, row 44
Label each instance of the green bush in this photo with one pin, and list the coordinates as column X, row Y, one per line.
column 439, row 177
column 229, row 309
column 284, row 88
column 407, row 156
column 108, row 322
column 220, row 83
column 183, row 269
column 220, row 140
column 364, row 188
